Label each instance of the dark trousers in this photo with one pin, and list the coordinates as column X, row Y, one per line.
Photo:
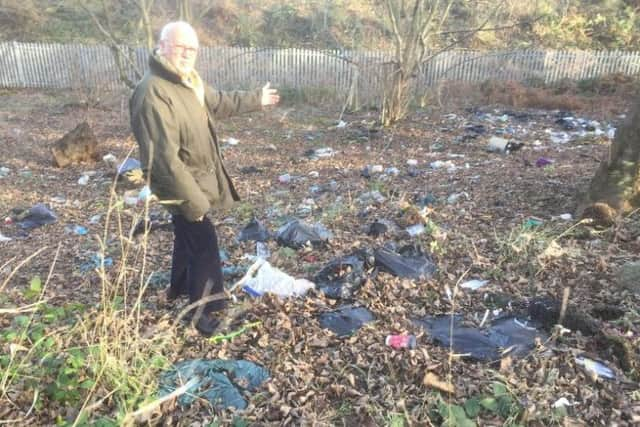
column 196, row 261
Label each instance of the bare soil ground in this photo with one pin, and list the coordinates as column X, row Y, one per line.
column 317, row 378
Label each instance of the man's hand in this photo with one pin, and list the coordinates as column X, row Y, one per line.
column 200, row 219
column 269, row 96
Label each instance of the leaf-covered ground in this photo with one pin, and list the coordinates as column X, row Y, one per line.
column 490, row 216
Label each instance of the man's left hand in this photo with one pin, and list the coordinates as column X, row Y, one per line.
column 269, row 96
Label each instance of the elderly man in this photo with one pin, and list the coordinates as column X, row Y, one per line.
column 172, row 116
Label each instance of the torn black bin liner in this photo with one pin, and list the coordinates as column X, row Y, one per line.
column 483, row 344
column 221, row 382
column 409, row 262
column 35, row 217
column 295, row 234
column 346, row 320
column 341, row 278
column 377, row 228
column 254, row 231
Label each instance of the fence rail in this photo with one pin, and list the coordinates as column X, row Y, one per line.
column 69, row 66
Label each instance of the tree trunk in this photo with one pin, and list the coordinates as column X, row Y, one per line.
column 616, row 185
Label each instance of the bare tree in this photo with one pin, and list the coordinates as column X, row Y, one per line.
column 417, row 27
column 122, row 54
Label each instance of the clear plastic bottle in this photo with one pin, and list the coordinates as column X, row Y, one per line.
column 401, row 341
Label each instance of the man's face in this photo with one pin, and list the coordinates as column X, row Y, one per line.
column 180, row 48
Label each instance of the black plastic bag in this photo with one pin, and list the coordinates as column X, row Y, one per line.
column 409, row 262
column 295, row 234
column 346, row 320
column 341, row 278
column 254, row 231
column 35, row 217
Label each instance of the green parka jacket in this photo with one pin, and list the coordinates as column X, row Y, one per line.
column 177, row 140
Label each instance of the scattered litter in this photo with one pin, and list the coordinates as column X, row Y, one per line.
column 231, row 141
column 58, row 200
column 37, row 216
column 110, row 159
column 4, row 238
column 223, row 383
column 296, row 234
column 558, row 137
column 25, row 173
column 415, row 230
column 341, row 124
column 426, row 201
column 130, row 197
column 262, row 250
column 230, row 336
column 159, row 279
column 562, row 402
column 401, row 341
column 378, row 228
column 566, row 217
column 371, row 197
column 392, row 171
column 4, row 171
column 96, row 261
column 83, row 180
column 320, row 153
column 507, row 334
column 543, row 161
column 501, row 145
column 254, row 231
column 314, row 174
column 269, row 279
column 439, row 164
column 596, row 368
column 346, row 320
column 341, row 278
column 532, row 223
column 408, row 262
column 412, row 162
column 128, row 165
column 474, row 284
column 250, row 170
column 153, row 222
column 284, row 179
column 144, row 194
column 79, row 230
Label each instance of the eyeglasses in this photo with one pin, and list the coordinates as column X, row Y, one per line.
column 181, row 49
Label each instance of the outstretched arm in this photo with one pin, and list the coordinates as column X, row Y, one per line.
column 223, row 104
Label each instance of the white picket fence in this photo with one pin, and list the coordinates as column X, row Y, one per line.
column 57, row 66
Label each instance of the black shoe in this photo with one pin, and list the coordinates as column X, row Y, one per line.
column 207, row 325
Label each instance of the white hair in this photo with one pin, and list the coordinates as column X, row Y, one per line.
column 172, row 26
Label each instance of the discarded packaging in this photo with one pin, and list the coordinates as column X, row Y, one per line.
column 474, row 284
column 296, row 234
column 254, row 231
column 128, row 165
column 415, row 230
column 4, row 238
column 37, row 216
column 346, row 320
column 4, row 171
column 506, row 335
column 341, row 278
column 409, row 262
column 378, row 228
column 371, row 197
column 320, row 153
column 596, row 368
column 543, row 161
column 223, row 383
column 401, row 341
column 269, row 279
column 84, row 180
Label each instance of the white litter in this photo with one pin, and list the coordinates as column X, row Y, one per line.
column 412, row 162
column 597, row 368
column 453, row 198
column 269, row 279
column 109, row 159
column 341, row 124
column 497, row 145
column 474, row 284
column 4, row 238
column 566, row 217
column 415, row 230
column 4, row 171
column 231, row 141
column 561, row 403
column 439, row 164
column 84, row 180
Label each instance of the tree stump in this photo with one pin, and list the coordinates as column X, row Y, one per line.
column 616, row 183
column 79, row 145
